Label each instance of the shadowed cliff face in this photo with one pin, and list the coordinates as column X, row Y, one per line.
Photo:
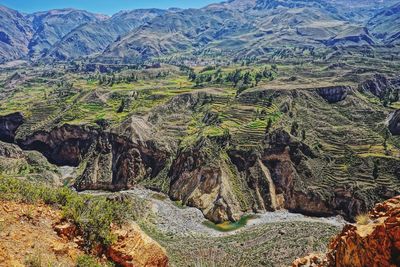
column 333, row 94
column 115, row 163
column 109, row 161
column 8, row 126
column 394, row 123
column 62, row 146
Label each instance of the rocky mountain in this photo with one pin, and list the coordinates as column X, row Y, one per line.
column 385, row 25
column 51, row 26
column 31, row 36
column 94, row 37
column 15, row 34
column 242, row 28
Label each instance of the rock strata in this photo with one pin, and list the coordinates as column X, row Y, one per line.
column 373, row 241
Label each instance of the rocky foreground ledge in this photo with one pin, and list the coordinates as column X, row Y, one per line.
column 32, row 233
column 373, row 241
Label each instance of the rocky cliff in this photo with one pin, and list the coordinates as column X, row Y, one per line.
column 394, row 123
column 373, row 241
column 9, row 125
column 333, row 94
column 24, row 224
column 379, row 85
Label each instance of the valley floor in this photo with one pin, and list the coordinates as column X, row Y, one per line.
column 271, row 239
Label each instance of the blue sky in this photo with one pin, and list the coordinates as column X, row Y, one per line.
column 101, row 6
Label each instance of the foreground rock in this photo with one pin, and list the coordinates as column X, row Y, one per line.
column 132, row 248
column 135, row 248
column 27, row 236
column 374, row 241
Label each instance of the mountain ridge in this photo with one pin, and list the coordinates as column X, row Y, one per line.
column 240, row 28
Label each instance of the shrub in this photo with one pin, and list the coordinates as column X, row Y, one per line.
column 89, row 261
column 93, row 215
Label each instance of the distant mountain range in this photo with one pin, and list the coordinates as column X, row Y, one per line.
column 238, row 28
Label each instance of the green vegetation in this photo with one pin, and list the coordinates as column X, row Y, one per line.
column 92, row 214
column 230, row 226
column 89, row 261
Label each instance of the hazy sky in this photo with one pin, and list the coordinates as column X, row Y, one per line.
column 101, row 6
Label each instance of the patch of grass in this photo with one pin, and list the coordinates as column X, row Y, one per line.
column 158, row 196
column 89, row 261
column 362, row 219
column 179, row 204
column 92, row 214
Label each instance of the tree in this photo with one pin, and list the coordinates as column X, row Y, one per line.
column 303, row 134
column 269, row 125
column 295, row 127
column 386, row 136
column 247, row 78
column 259, row 77
column 121, row 106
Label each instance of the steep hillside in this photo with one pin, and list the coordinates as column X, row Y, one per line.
column 94, row 37
column 385, row 25
column 51, row 26
column 224, row 148
column 15, row 33
column 237, row 29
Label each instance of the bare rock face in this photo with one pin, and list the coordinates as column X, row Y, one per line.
column 63, row 145
column 374, row 241
column 334, row 94
column 394, row 123
column 135, row 248
column 379, row 85
column 8, row 126
column 108, row 160
column 116, row 163
column 10, row 151
column 200, row 178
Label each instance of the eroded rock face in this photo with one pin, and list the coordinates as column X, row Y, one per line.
column 394, row 123
column 134, row 248
column 110, row 161
column 375, row 241
column 8, row 126
column 334, row 94
column 286, row 158
column 115, row 163
column 200, row 178
column 378, row 85
column 65, row 145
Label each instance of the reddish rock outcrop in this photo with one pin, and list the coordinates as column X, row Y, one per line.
column 375, row 242
column 134, row 248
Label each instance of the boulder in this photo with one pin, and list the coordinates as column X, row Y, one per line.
column 135, row 248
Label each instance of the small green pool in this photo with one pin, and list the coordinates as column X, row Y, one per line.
column 230, row 226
